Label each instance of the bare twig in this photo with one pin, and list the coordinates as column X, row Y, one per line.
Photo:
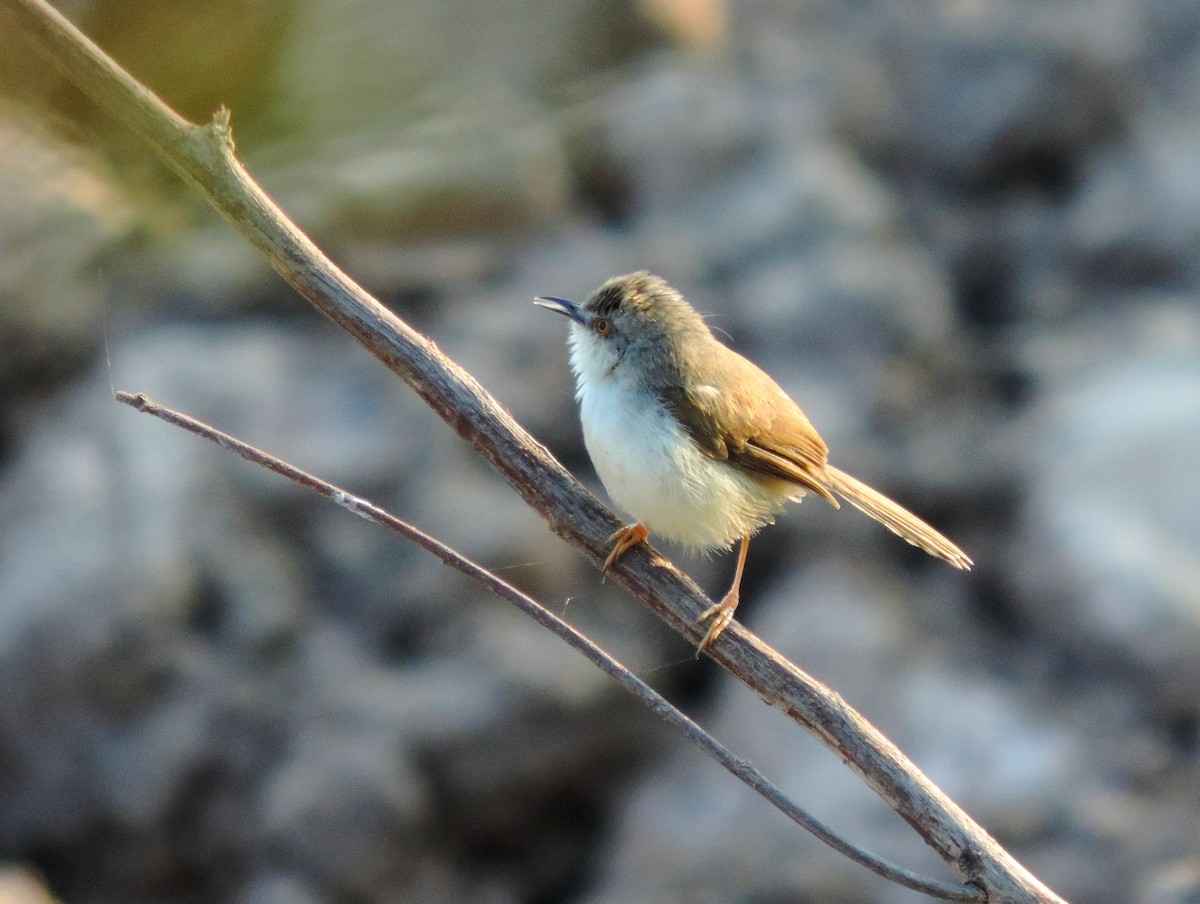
column 653, row 700
column 204, row 156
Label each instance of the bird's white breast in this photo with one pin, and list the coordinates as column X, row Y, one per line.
column 653, row 470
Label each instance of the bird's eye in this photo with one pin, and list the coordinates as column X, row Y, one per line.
column 602, row 326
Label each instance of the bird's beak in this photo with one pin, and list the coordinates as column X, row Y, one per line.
column 562, row 306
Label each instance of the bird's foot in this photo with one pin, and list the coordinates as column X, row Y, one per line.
column 624, row 540
column 719, row 617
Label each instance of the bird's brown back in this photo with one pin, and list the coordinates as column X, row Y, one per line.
column 735, row 412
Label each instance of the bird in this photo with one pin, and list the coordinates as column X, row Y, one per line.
column 694, row 440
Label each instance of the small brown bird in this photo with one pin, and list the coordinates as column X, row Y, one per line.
column 695, row 441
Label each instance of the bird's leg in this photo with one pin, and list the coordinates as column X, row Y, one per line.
column 722, row 613
column 624, row 540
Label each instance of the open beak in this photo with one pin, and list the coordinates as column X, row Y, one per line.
column 562, row 306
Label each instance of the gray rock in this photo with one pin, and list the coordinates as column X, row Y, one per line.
column 981, row 99
column 1106, row 557
column 1136, row 219
column 1176, row 883
column 279, row 888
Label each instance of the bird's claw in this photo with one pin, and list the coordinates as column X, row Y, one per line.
column 719, row 617
column 623, row 540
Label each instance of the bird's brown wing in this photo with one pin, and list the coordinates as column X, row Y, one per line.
column 734, row 412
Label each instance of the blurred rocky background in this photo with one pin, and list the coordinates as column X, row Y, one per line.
column 964, row 234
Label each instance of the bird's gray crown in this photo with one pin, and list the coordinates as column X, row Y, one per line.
column 644, row 295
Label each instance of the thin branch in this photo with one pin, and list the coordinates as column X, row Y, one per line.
column 204, row 156
column 653, row 700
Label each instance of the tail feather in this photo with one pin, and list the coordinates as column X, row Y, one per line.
column 898, row 520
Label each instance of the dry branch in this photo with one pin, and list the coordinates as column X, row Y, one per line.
column 204, row 156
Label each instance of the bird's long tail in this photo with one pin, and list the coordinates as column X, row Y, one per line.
column 898, row 520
